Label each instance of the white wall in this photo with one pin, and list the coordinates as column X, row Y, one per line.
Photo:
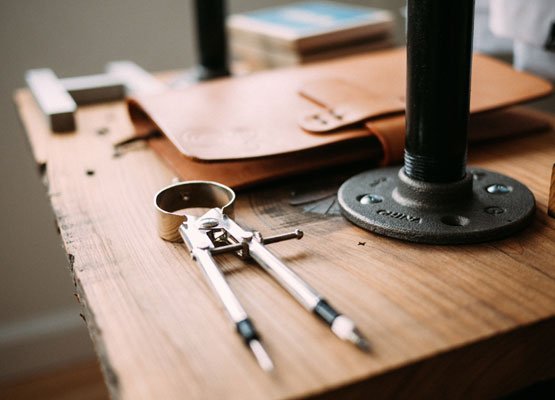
column 39, row 318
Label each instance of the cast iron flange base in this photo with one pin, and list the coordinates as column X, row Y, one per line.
column 483, row 206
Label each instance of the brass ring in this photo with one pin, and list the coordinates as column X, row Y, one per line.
column 172, row 200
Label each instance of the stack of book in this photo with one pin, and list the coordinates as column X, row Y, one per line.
column 307, row 31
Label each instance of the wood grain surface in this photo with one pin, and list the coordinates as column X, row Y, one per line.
column 551, row 201
column 452, row 321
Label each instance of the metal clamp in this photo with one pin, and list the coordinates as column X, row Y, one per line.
column 171, row 202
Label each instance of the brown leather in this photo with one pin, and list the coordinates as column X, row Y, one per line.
column 246, row 173
column 241, row 174
column 482, row 126
column 236, row 119
column 343, row 104
column 257, row 116
column 494, row 85
column 246, row 130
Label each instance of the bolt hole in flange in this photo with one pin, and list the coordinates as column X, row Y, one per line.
column 455, row 220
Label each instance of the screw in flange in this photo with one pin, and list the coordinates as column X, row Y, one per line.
column 370, row 199
column 498, row 188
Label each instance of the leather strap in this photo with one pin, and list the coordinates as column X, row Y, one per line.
column 484, row 126
column 343, row 104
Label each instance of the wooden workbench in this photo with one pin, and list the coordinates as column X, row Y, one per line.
column 456, row 321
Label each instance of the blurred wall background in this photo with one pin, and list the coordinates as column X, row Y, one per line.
column 40, row 325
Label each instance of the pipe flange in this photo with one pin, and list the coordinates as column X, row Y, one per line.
column 486, row 206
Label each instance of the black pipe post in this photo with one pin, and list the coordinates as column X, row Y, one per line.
column 211, row 39
column 433, row 199
column 439, row 59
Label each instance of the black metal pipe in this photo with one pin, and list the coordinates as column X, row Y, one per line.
column 211, row 38
column 439, row 59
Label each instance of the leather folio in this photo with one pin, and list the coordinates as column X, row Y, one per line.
column 246, row 130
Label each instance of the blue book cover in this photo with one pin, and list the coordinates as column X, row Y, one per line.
column 305, row 18
column 311, row 19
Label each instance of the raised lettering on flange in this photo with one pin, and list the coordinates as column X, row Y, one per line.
column 399, row 215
